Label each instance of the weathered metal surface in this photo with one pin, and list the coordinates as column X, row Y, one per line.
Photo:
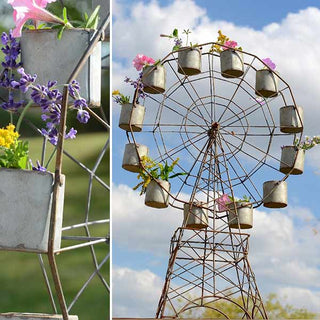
column 231, row 63
column 292, row 160
column 157, row 195
column 132, row 114
column 132, row 153
column 25, row 210
column 33, row 316
column 275, row 194
column 154, row 79
column 291, row 119
column 60, row 57
column 189, row 61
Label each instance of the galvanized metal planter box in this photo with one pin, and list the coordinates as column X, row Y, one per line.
column 266, row 83
column 189, row 61
column 154, row 79
column 132, row 114
column 25, row 210
column 54, row 60
column 195, row 216
column 275, row 194
column 240, row 215
column 291, row 119
column 231, row 63
column 292, row 160
column 32, row 316
column 132, row 153
column 157, row 195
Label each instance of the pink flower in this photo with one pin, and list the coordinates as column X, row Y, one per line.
column 222, row 202
column 141, row 60
column 230, row 44
column 269, row 63
column 24, row 10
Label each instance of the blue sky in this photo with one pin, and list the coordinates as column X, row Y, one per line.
column 284, row 30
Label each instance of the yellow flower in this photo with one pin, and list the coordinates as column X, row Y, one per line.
column 8, row 136
column 115, row 92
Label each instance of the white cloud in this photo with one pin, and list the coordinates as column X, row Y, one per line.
column 290, row 43
column 135, row 293
column 300, row 298
column 146, row 229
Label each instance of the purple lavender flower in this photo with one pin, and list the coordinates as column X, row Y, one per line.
column 71, row 134
column 80, row 103
column 74, row 88
column 177, row 42
column 38, row 167
column 83, row 116
column 11, row 105
column 26, row 80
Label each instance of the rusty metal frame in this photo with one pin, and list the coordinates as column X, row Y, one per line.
column 214, row 149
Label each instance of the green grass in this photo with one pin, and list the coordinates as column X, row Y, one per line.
column 22, row 287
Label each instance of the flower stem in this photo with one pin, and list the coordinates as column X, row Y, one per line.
column 11, row 117
column 51, row 156
column 22, row 115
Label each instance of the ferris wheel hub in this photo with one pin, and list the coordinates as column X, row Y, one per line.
column 215, row 127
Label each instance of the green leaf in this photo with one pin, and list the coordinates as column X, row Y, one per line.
column 175, row 48
column 92, row 22
column 175, row 33
column 65, row 16
column 60, row 32
column 178, row 174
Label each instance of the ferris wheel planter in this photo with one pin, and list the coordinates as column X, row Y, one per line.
column 52, row 59
column 26, row 199
column 189, row 61
column 132, row 155
column 240, row 215
column 275, row 194
column 195, row 215
column 154, row 79
column 292, row 160
column 266, row 83
column 291, row 119
column 132, row 114
column 231, row 63
column 157, row 194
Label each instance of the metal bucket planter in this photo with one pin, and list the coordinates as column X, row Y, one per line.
column 25, row 202
column 240, row 215
column 266, row 83
column 132, row 153
column 133, row 114
column 54, row 60
column 189, row 61
column 231, row 63
column 33, row 316
column 292, row 160
column 291, row 119
column 157, row 194
column 275, row 194
column 154, row 79
column 195, row 216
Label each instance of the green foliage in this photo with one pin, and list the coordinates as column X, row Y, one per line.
column 154, row 170
column 273, row 306
column 16, row 156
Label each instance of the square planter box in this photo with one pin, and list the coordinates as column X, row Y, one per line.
column 32, row 316
column 54, row 60
column 25, row 210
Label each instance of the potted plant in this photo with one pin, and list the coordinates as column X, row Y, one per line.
column 155, row 181
column 53, row 51
column 231, row 57
column 267, row 80
column 240, row 211
column 275, row 194
column 291, row 119
column 292, row 160
column 132, row 155
column 195, row 215
column 132, row 114
column 25, row 195
column 189, row 56
column 154, row 78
